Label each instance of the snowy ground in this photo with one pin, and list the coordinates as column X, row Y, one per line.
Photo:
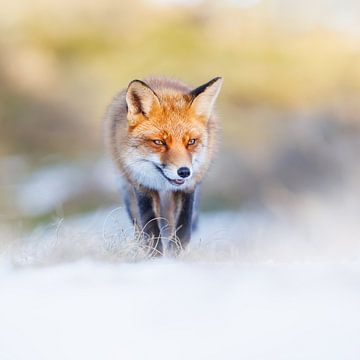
column 177, row 310
column 253, row 286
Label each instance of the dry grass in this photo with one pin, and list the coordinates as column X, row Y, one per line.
column 110, row 240
column 312, row 230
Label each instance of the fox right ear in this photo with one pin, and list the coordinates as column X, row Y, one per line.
column 204, row 97
column 140, row 98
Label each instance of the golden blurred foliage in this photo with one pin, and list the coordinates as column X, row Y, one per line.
column 61, row 63
column 86, row 50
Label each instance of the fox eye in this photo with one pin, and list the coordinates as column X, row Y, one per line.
column 191, row 141
column 159, row 142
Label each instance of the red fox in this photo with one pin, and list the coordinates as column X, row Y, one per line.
column 162, row 135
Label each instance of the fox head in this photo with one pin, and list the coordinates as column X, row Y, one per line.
column 168, row 134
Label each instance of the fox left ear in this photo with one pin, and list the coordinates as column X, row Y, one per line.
column 204, row 97
column 140, row 98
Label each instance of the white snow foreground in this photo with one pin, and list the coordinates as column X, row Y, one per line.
column 174, row 310
column 255, row 287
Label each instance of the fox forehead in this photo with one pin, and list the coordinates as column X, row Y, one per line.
column 172, row 129
column 173, row 105
column 173, row 118
column 174, row 101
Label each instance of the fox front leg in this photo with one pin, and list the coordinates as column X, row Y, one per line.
column 148, row 221
column 184, row 221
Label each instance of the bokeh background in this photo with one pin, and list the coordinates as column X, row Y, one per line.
column 273, row 271
column 289, row 106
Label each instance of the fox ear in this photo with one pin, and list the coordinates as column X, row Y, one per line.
column 140, row 98
column 205, row 95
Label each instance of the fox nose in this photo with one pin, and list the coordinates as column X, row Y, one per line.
column 184, row 172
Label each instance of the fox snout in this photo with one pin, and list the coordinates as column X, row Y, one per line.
column 184, row 172
column 174, row 171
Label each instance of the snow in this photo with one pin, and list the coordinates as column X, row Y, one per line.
column 253, row 285
column 43, row 190
column 174, row 310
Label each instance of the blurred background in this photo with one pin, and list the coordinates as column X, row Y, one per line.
column 274, row 267
column 289, row 106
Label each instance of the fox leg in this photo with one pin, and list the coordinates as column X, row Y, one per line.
column 195, row 212
column 129, row 198
column 184, row 221
column 146, row 203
